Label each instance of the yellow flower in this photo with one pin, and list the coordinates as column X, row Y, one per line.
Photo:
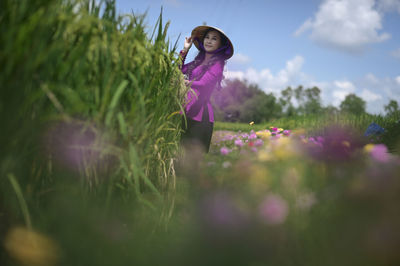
column 31, row 248
column 285, row 149
column 251, row 123
column 259, row 180
column 264, row 156
column 263, row 134
column 346, row 143
column 368, row 148
column 280, row 129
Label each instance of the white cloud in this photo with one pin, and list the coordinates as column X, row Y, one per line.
column 238, row 62
column 337, row 91
column 375, row 91
column 371, row 78
column 239, row 59
column 369, row 96
column 269, row 82
column 396, row 53
column 345, row 86
column 347, row 25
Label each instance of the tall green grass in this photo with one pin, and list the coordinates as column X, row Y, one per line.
column 79, row 66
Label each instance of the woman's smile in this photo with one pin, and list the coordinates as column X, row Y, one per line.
column 212, row 41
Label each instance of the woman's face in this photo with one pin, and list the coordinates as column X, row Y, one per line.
column 212, row 41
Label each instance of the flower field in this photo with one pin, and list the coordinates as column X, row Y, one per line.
column 92, row 172
column 277, row 197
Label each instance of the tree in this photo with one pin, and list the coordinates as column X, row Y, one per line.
column 286, row 101
column 331, row 110
column 238, row 101
column 312, row 104
column 353, row 104
column 392, row 108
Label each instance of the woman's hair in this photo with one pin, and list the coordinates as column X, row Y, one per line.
column 219, row 56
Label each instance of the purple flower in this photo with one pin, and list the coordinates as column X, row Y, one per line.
column 75, row 145
column 286, row 132
column 380, row 153
column 338, row 144
column 245, row 135
column 219, row 211
column 239, row 142
column 258, row 142
column 273, row 209
column 253, row 135
column 225, row 150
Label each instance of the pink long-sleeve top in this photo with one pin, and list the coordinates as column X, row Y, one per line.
column 202, row 89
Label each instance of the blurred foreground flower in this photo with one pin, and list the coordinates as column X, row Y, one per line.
column 226, row 164
column 264, row 134
column 378, row 152
column 225, row 150
column 239, row 142
column 305, row 201
column 219, row 210
column 337, row 144
column 76, row 145
column 31, row 248
column 273, row 209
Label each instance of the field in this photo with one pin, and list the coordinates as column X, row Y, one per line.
column 92, row 172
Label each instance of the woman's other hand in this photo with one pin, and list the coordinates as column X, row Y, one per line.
column 187, row 82
column 188, row 43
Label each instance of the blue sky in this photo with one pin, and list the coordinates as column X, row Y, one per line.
column 341, row 46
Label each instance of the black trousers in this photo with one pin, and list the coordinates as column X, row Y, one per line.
column 198, row 133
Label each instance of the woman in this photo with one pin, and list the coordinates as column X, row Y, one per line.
column 204, row 74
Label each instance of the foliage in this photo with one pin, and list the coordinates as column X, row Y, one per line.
column 87, row 104
column 308, row 100
column 90, row 136
column 238, row 101
column 353, row 104
column 392, row 108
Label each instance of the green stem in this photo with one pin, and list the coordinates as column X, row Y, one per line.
column 21, row 200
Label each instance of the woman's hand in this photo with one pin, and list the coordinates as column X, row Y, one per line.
column 188, row 43
column 187, row 82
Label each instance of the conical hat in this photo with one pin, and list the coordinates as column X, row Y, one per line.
column 199, row 32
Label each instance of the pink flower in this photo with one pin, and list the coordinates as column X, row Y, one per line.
column 258, row 142
column 219, row 212
column 239, row 142
column 225, row 150
column 253, row 135
column 273, row 209
column 380, row 153
column 286, row 132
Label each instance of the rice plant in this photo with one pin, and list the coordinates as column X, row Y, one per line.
column 88, row 101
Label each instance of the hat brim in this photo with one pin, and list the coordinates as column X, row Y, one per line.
column 200, row 31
